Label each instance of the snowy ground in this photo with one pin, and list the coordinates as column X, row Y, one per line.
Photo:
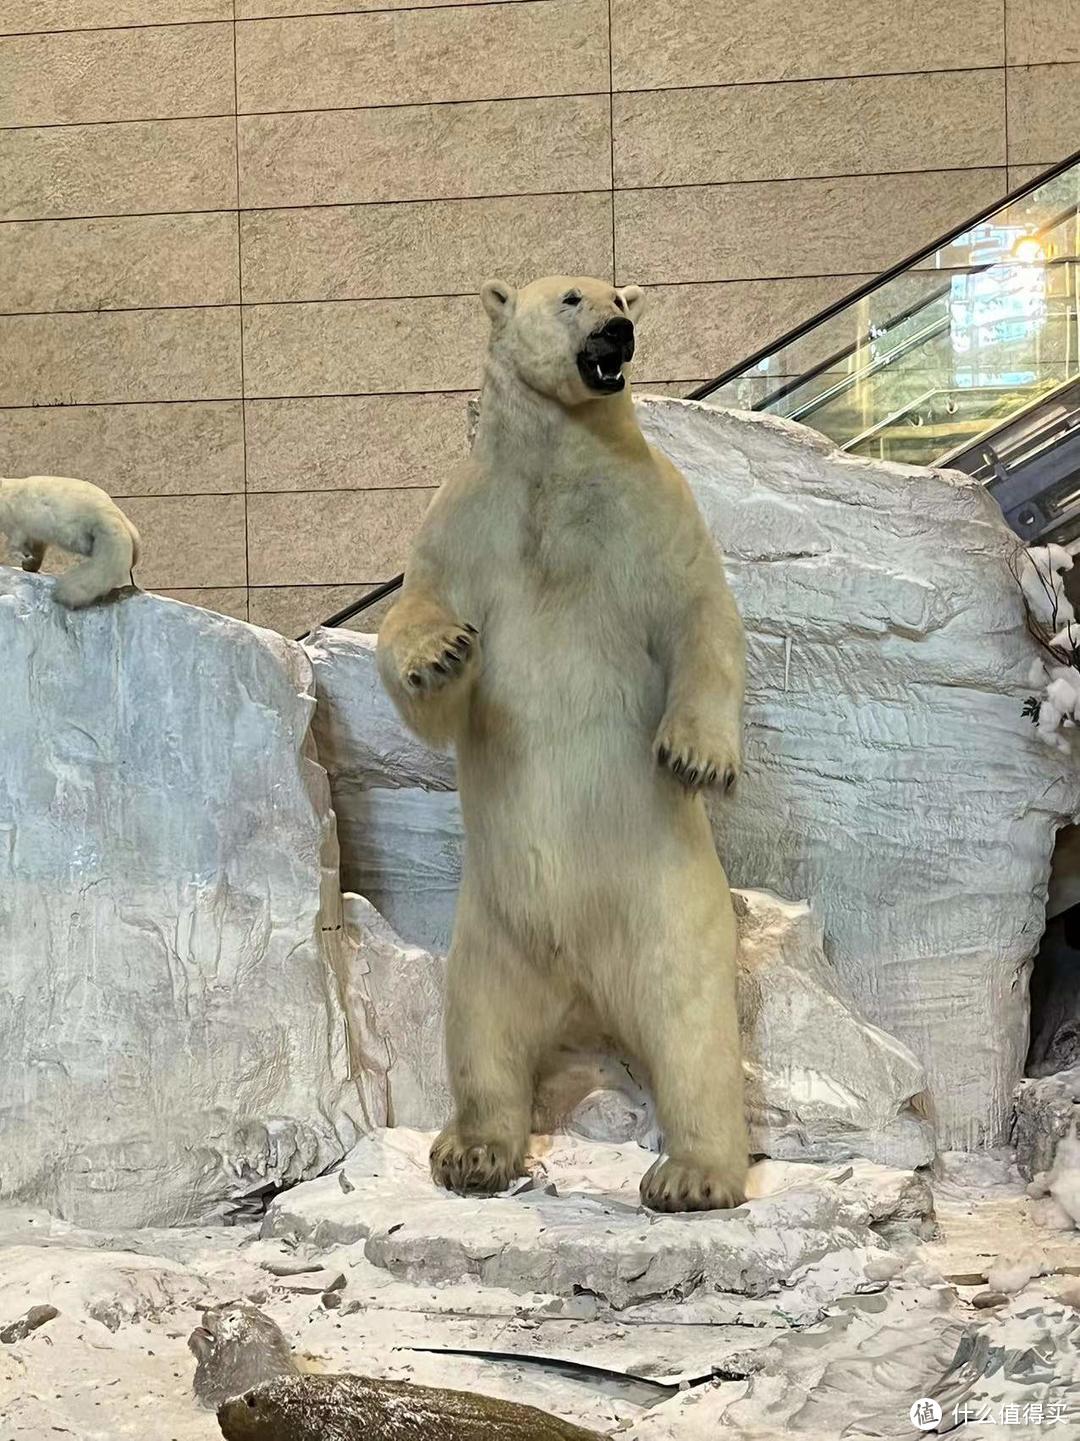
column 825, row 1306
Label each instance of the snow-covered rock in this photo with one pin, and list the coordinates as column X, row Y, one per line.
column 890, row 775
column 172, row 1032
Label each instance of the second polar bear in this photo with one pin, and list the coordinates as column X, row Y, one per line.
column 566, row 623
column 44, row 510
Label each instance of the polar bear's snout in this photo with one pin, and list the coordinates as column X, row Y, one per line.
column 601, row 359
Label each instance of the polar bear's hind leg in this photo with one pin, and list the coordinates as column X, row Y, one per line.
column 502, row 1015
column 684, row 1029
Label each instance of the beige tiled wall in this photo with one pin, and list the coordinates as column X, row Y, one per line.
column 239, row 243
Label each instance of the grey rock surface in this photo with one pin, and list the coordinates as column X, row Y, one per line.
column 172, row 1033
column 398, row 817
column 890, row 775
column 1046, row 1110
column 398, row 989
column 822, row 1082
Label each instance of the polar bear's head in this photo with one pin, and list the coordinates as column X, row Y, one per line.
column 567, row 337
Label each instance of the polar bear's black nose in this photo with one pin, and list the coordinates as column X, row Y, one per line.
column 620, row 331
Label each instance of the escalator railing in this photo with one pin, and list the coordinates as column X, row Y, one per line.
column 968, row 352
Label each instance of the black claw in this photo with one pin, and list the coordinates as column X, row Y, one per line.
column 677, row 765
column 463, row 642
column 451, row 657
column 710, row 775
column 472, row 630
column 414, row 677
column 438, row 665
column 729, row 779
column 691, row 776
column 663, row 755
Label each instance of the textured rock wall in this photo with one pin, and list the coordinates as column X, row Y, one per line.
column 172, row 1033
column 890, row 777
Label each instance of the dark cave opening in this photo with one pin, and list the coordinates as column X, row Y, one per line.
column 1055, row 979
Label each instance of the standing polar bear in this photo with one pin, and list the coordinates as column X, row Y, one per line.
column 566, row 623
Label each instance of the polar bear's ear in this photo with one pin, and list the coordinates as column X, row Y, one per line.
column 498, row 298
column 634, row 300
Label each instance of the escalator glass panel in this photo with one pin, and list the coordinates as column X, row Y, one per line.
column 949, row 348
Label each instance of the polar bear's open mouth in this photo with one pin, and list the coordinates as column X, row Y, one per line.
column 601, row 359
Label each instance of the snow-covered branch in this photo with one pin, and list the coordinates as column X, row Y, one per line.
column 1039, row 572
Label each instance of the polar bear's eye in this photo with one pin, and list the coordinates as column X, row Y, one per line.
column 572, row 297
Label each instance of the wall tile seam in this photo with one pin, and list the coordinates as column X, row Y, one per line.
column 378, row 299
column 257, row 19
column 518, row 99
column 517, row 194
column 247, row 399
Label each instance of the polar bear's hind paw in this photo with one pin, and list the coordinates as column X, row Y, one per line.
column 472, row 1166
column 687, row 1185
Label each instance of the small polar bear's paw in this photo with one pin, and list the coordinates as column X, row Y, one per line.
column 684, row 1184
column 433, row 658
column 698, row 756
column 469, row 1164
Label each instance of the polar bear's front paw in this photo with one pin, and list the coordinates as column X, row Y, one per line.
column 675, row 1184
column 437, row 657
column 694, row 757
column 468, row 1164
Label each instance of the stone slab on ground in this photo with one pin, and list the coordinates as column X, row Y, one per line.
column 172, row 1033
column 592, row 1235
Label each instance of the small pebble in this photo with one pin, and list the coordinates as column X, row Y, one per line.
column 985, row 1299
column 20, row 1329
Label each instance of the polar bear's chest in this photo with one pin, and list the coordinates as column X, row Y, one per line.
column 571, row 529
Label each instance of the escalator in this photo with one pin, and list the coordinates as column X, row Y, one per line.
column 965, row 355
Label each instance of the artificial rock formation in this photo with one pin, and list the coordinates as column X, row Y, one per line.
column 890, row 775
column 172, row 1032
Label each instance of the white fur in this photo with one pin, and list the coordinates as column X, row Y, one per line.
column 45, row 510
column 609, row 648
